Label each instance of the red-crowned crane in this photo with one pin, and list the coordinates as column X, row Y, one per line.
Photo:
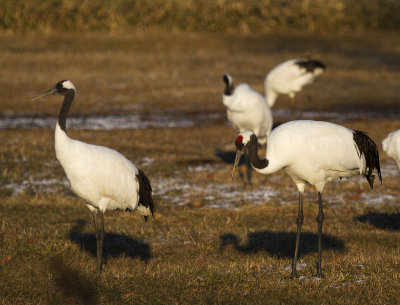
column 101, row 176
column 391, row 146
column 247, row 109
column 289, row 78
column 313, row 152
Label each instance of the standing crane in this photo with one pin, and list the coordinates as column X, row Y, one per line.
column 391, row 146
column 313, row 152
column 101, row 176
column 290, row 77
column 247, row 109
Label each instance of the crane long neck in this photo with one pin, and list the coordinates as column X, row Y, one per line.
column 270, row 95
column 62, row 117
column 255, row 161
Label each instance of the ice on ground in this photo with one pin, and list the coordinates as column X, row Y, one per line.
column 179, row 191
column 99, row 122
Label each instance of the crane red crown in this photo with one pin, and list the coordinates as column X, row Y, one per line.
column 239, row 140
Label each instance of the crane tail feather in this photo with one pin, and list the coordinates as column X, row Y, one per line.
column 367, row 148
column 145, row 190
column 311, row 65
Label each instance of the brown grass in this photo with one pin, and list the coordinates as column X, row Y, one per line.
column 191, row 254
column 251, row 16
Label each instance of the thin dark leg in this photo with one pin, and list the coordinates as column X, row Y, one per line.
column 99, row 229
column 320, row 220
column 292, row 109
column 95, row 222
column 299, row 222
column 100, row 241
column 249, row 169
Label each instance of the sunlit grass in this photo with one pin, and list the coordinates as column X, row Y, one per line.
column 190, row 254
column 252, row 16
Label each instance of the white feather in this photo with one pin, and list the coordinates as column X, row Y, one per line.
column 101, row 176
column 68, row 85
column 248, row 110
column 313, row 152
column 287, row 78
column 391, row 146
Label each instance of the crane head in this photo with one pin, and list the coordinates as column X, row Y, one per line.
column 228, row 84
column 241, row 143
column 63, row 87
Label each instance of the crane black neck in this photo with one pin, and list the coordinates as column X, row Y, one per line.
column 252, row 149
column 228, row 86
column 62, row 117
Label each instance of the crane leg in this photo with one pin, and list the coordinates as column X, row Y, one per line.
column 320, row 220
column 292, row 109
column 249, row 169
column 299, row 221
column 99, row 228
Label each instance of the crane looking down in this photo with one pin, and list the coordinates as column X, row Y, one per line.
column 312, row 152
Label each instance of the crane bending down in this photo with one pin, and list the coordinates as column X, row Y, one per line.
column 313, row 152
column 391, row 146
column 247, row 109
column 101, row 176
column 290, row 77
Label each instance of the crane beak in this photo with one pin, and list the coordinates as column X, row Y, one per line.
column 49, row 92
column 237, row 158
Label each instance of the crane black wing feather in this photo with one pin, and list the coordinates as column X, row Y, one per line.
column 311, row 64
column 145, row 191
column 367, row 147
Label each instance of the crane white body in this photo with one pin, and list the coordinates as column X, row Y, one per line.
column 290, row 77
column 247, row 109
column 101, row 176
column 391, row 146
column 313, row 152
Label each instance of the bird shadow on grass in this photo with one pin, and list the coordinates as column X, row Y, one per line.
column 115, row 245
column 381, row 220
column 75, row 286
column 228, row 156
column 280, row 244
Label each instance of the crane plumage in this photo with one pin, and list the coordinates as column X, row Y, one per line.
column 391, row 146
column 247, row 109
column 290, row 77
column 101, row 176
column 312, row 152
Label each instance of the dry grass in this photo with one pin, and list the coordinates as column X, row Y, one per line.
column 191, row 254
column 252, row 16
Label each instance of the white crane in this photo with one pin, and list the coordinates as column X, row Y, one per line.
column 101, row 176
column 289, row 78
column 312, row 152
column 391, row 146
column 247, row 109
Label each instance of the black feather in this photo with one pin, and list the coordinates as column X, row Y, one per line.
column 367, row 148
column 228, row 86
column 311, row 64
column 145, row 191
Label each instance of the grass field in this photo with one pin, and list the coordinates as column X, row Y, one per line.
column 251, row 16
column 213, row 241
